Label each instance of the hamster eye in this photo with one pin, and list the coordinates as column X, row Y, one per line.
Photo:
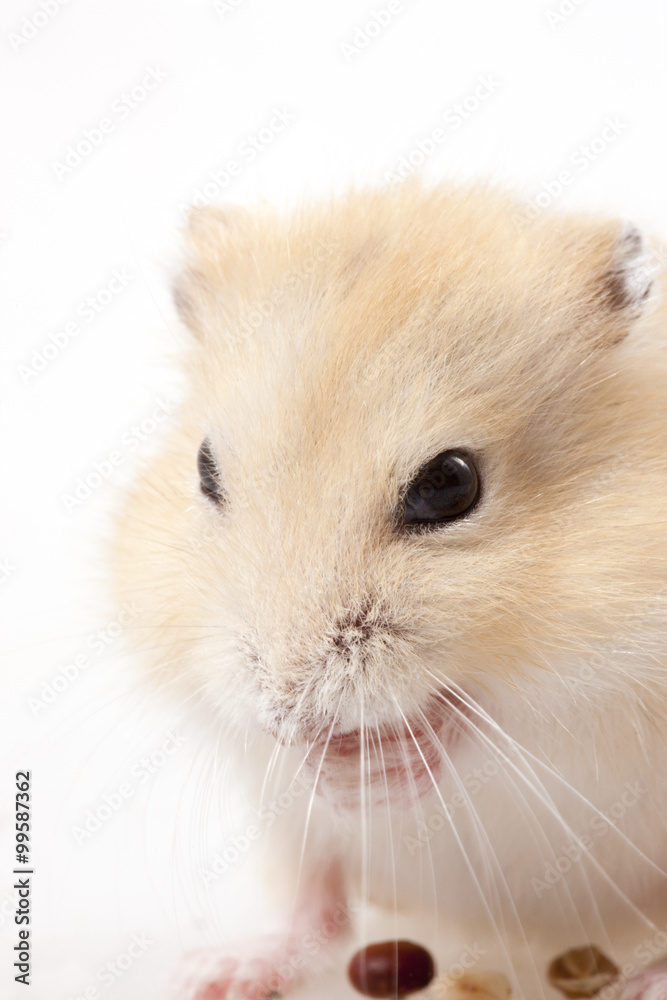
column 445, row 488
column 209, row 475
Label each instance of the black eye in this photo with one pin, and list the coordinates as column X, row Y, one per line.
column 209, row 476
column 445, row 488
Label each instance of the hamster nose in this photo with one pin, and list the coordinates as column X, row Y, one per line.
column 355, row 627
column 352, row 629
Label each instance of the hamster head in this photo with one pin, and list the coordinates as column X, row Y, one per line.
column 419, row 468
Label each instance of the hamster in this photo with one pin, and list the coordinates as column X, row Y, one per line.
column 407, row 545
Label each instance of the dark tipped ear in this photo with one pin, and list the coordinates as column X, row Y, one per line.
column 181, row 293
column 213, row 223
column 212, row 234
column 628, row 281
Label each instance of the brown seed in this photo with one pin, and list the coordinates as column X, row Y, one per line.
column 390, row 969
column 582, row 972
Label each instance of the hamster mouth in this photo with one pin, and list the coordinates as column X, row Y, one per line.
column 395, row 765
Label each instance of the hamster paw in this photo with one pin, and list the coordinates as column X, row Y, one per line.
column 267, row 968
column 651, row 984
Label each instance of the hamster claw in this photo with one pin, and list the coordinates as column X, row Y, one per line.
column 261, row 971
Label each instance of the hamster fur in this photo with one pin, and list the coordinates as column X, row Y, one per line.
column 482, row 706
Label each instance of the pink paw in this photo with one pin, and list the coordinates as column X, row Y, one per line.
column 271, row 969
column 651, row 984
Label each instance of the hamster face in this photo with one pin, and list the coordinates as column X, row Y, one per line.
column 418, row 480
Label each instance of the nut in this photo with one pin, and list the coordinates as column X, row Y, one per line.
column 582, row 972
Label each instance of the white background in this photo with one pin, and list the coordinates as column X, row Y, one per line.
column 354, row 113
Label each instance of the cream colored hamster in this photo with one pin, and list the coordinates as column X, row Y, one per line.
column 408, row 539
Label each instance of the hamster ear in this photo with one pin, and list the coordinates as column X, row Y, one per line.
column 628, row 281
column 212, row 234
